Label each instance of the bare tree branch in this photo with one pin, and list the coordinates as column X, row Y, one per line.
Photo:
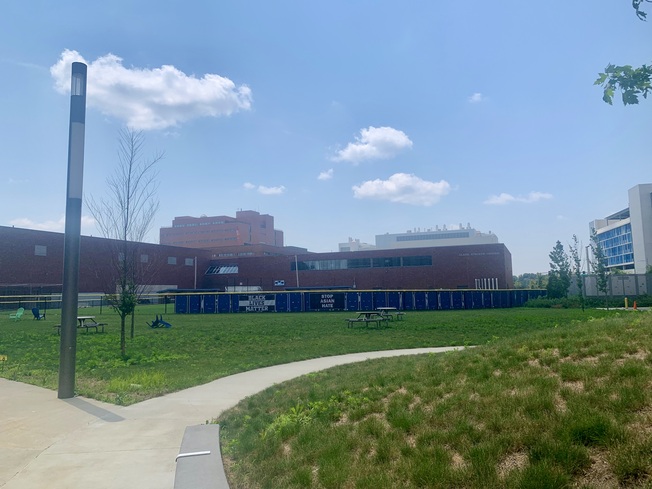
column 126, row 214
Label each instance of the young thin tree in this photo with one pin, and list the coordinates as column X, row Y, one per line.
column 599, row 265
column 559, row 276
column 574, row 249
column 126, row 215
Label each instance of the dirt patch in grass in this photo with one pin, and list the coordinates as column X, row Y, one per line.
column 590, row 360
column 575, row 386
column 457, row 461
column 513, row 461
column 642, row 424
column 637, row 355
column 560, row 404
column 599, row 475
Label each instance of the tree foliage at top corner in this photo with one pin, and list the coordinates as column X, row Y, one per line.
column 631, row 82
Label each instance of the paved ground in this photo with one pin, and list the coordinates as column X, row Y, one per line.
column 83, row 443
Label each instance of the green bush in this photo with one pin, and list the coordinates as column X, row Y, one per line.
column 573, row 302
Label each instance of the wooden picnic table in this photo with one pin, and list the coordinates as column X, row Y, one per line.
column 85, row 322
column 367, row 317
column 82, row 320
column 390, row 312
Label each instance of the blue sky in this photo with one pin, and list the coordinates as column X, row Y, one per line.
column 341, row 118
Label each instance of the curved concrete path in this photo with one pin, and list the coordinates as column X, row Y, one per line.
column 83, row 443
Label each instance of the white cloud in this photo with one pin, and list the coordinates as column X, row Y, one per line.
column 155, row 98
column 261, row 189
column 530, row 198
column 403, row 188
column 87, row 224
column 374, row 143
column 271, row 190
column 326, row 175
column 476, row 98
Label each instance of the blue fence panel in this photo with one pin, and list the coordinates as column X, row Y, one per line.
column 380, row 299
column 235, row 302
column 501, row 298
column 194, row 304
column 535, row 294
column 420, row 301
column 282, row 302
column 295, row 301
column 358, row 300
column 467, row 298
column 366, row 301
column 394, row 299
column 181, row 304
column 223, row 303
column 408, row 300
column 457, row 298
column 445, row 301
column 352, row 302
column 209, row 303
column 433, row 300
column 520, row 298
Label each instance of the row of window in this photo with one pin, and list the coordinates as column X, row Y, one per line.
column 42, row 250
column 381, row 262
column 203, row 231
column 617, row 245
column 193, row 224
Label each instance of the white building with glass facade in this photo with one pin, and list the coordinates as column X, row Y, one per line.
column 626, row 236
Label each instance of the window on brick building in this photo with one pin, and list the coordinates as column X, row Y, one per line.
column 172, row 260
column 40, row 250
column 189, row 262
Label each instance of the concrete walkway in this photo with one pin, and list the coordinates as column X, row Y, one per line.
column 83, row 443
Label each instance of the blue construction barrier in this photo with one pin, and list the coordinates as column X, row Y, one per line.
column 296, row 301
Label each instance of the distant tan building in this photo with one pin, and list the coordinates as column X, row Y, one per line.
column 355, row 245
column 246, row 228
column 426, row 238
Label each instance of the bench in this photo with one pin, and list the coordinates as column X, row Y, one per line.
column 399, row 315
column 376, row 320
column 199, row 463
column 92, row 324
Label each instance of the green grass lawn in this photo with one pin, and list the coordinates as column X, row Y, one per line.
column 540, row 407
column 201, row 348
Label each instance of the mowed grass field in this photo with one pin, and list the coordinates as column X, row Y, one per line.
column 568, row 406
column 201, row 348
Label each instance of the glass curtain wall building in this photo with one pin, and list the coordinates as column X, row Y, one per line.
column 626, row 236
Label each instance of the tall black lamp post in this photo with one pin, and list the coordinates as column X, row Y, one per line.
column 72, row 239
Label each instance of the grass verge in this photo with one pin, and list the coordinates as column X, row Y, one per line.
column 201, row 348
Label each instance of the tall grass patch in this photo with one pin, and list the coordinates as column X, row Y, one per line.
column 566, row 407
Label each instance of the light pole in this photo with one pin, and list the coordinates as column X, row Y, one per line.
column 72, row 237
column 296, row 269
column 588, row 262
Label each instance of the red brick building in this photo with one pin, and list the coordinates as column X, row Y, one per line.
column 487, row 266
column 32, row 262
column 247, row 227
